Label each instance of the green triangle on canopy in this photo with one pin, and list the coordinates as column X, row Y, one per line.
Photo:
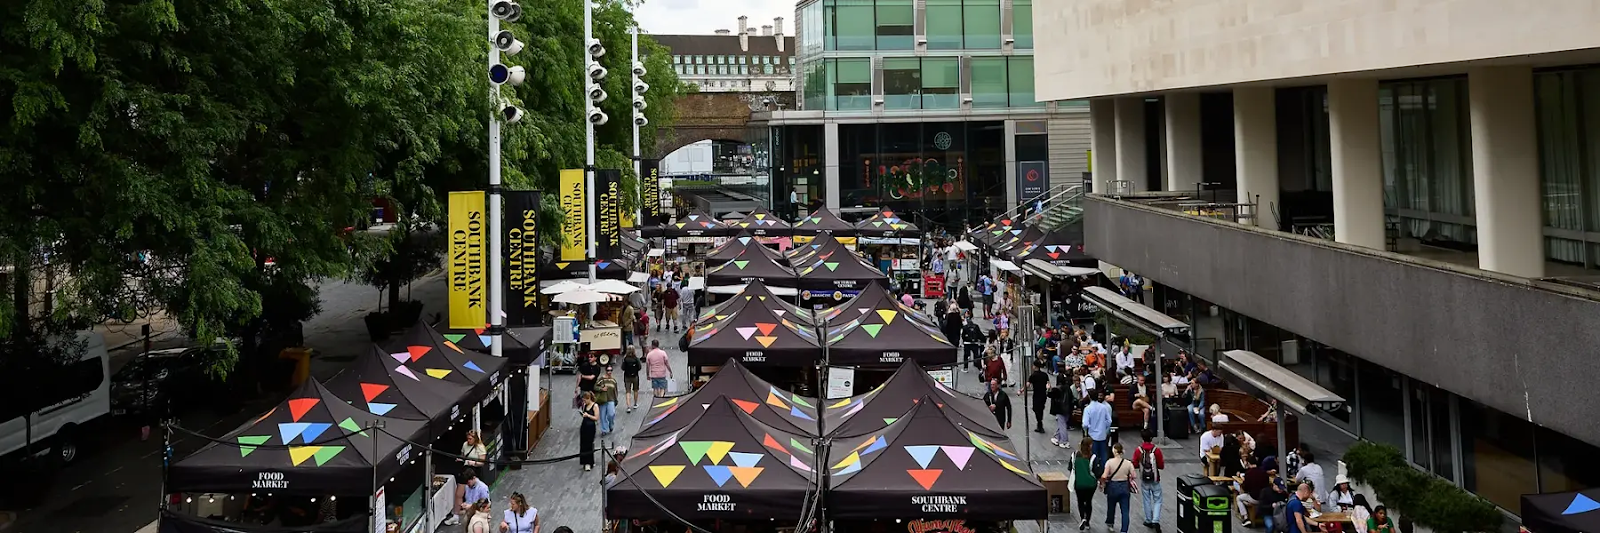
column 740, row 264
column 872, row 329
column 802, row 401
column 244, row 451
column 831, row 266
column 798, row 446
column 326, row 453
column 349, row 424
column 454, row 337
column 889, row 420
column 696, row 450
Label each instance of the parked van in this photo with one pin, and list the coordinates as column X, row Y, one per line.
column 60, row 418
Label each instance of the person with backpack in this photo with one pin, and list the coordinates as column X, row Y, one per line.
column 1116, row 478
column 1151, row 463
column 1085, row 479
column 631, row 365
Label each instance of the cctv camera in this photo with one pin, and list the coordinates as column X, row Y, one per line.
column 595, row 50
column 499, row 74
column 508, row 43
column 638, row 68
column 596, row 72
column 597, row 117
column 597, row 95
column 503, row 9
column 638, row 103
column 639, row 120
column 640, row 87
column 511, row 113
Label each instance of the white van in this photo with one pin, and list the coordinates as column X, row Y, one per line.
column 58, row 420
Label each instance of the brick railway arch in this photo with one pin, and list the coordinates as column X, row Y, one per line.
column 714, row 116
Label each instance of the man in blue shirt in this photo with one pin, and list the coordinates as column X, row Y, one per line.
column 474, row 490
column 1299, row 520
column 1097, row 424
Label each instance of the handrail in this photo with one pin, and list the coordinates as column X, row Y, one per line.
column 1048, row 196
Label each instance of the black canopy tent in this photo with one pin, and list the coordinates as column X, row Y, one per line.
column 877, row 409
column 924, row 467
column 755, row 263
column 823, row 220
column 838, row 273
column 614, row 268
column 1062, row 247
column 477, row 340
column 883, row 337
column 753, row 333
column 754, row 396
column 1016, row 243
column 381, row 383
column 824, row 246
column 874, row 298
column 432, row 356
column 779, row 305
column 763, row 223
column 1562, row 512
column 312, row 444
column 886, row 223
column 698, row 224
column 723, row 465
column 738, row 245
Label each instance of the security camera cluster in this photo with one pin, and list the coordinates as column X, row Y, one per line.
column 639, row 87
column 596, row 74
column 507, row 43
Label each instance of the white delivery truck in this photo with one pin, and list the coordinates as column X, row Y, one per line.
column 56, row 421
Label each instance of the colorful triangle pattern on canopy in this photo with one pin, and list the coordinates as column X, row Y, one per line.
column 839, row 269
column 433, row 356
column 1063, row 247
column 886, row 223
column 313, row 438
column 872, row 299
column 752, row 395
column 923, row 452
column 884, row 336
column 698, row 224
column 379, row 382
column 753, row 264
column 775, row 340
column 738, row 244
column 763, row 223
column 823, row 220
column 723, row 457
column 876, row 409
column 478, row 339
column 757, row 292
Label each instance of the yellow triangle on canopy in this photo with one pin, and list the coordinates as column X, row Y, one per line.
column 299, row 454
column 718, row 450
column 761, row 216
column 669, row 401
column 766, row 341
column 840, row 403
column 437, row 373
column 763, row 298
column 562, row 266
column 666, row 473
column 850, row 460
column 887, row 315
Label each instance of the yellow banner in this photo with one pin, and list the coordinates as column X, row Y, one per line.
column 469, row 294
column 573, row 206
column 803, row 239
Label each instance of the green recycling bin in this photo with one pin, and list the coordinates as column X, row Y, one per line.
column 1213, row 509
column 1186, row 509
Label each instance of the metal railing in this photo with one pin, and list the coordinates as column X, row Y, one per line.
column 1046, row 199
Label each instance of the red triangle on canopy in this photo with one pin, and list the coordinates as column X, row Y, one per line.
column 766, row 328
column 748, row 407
column 372, row 390
column 417, row 352
column 773, row 443
column 299, row 406
column 925, row 477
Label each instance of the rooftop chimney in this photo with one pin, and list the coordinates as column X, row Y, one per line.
column 744, row 33
column 723, row 32
column 777, row 30
column 766, row 30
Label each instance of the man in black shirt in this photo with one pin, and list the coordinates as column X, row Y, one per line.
column 972, row 337
column 999, row 403
column 1039, row 383
column 588, row 371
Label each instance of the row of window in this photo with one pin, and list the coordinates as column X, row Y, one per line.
column 845, row 84
column 730, row 60
column 890, row 25
column 728, row 70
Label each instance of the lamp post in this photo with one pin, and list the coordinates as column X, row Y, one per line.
column 593, row 73
column 499, row 74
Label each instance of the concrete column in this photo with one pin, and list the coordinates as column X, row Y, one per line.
column 1103, row 143
column 1012, row 194
column 1506, row 171
column 1130, row 144
column 1184, row 170
column 1357, row 162
column 1255, row 151
column 830, row 162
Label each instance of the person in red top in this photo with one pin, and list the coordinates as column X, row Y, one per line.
column 995, row 369
column 669, row 304
column 1147, row 458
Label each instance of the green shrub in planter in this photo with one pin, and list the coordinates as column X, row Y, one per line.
column 1417, row 496
column 1365, row 457
column 1445, row 508
column 1400, row 487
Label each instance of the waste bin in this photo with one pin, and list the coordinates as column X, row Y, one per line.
column 1186, row 513
column 1212, row 509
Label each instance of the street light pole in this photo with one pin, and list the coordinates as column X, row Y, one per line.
column 496, row 300
column 588, row 162
column 638, row 215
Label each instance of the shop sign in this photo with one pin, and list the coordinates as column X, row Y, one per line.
column 946, row 377
column 694, row 240
column 574, row 204
column 841, row 382
column 716, row 502
column 494, row 379
column 845, row 283
column 938, row 526
column 269, row 480
column 889, row 357
column 404, row 454
column 754, row 357
column 940, row 504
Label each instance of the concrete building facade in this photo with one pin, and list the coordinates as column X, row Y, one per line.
column 1397, row 200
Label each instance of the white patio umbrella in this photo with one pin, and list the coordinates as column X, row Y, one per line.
column 581, row 297
column 563, row 287
column 612, row 286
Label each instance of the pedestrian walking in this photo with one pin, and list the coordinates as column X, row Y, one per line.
column 1039, row 385
column 1151, row 463
column 1085, row 481
column 972, row 337
column 999, row 403
column 605, row 394
column 631, row 365
column 1061, row 409
column 479, row 522
column 669, row 303
column 1119, row 486
column 520, row 517
column 657, row 368
column 1097, row 423
column 590, row 413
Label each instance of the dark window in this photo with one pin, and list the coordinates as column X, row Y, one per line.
column 1496, row 454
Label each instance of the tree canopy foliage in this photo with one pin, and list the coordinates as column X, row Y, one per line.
column 210, row 160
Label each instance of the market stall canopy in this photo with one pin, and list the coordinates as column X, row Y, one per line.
column 876, row 410
column 1061, row 248
column 653, row 231
column 823, row 220
column 615, row 268
column 762, row 293
column 754, row 333
column 754, row 396
column 737, row 245
column 698, row 224
column 382, row 384
column 874, row 298
column 723, row 465
column 312, row 444
column 993, row 231
column 887, row 224
column 432, row 356
column 925, row 467
column 633, row 243
column 752, row 264
column 1562, row 512
column 884, row 336
column 763, row 223
column 838, row 272
column 1016, row 243
column 478, row 340
column 807, row 253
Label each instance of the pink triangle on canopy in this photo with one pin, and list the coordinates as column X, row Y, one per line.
column 958, row 455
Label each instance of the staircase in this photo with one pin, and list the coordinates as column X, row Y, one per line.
column 1062, row 207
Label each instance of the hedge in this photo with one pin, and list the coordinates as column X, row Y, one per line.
column 1418, row 496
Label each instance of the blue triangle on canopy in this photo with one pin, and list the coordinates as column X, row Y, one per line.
column 289, row 430
column 1581, row 504
column 876, row 445
column 719, row 474
column 379, row 409
column 602, row 264
column 487, row 340
column 473, row 366
column 794, row 411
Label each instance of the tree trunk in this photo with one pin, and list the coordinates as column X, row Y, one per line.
column 394, row 293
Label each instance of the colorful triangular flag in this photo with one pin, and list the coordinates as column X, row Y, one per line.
column 244, row 451
column 745, row 475
column 923, row 454
column 666, row 473
column 372, row 390
column 299, row 454
column 958, row 455
column 298, row 408
column 926, row 478
column 719, row 474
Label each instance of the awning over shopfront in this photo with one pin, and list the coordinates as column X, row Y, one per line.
column 638, row 277
column 885, row 337
column 1004, row 265
column 723, row 465
column 763, row 223
column 965, row 246
column 754, row 262
column 1289, row 388
column 754, row 396
column 312, row 444
column 655, row 252
column 924, row 466
column 876, row 410
column 1132, row 312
